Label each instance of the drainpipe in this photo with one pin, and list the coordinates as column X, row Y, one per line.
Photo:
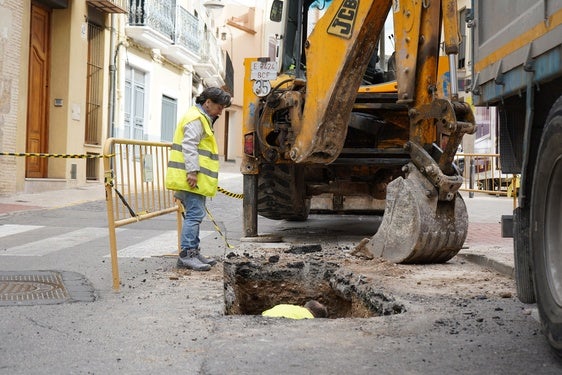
column 112, row 54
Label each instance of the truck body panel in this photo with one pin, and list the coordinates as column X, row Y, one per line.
column 518, row 68
column 508, row 35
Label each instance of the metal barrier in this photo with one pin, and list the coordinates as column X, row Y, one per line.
column 136, row 172
column 482, row 173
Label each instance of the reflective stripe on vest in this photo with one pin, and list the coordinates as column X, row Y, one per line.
column 207, row 178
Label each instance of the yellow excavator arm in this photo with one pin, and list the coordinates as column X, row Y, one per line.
column 312, row 119
column 337, row 53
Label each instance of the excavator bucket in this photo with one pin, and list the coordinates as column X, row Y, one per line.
column 417, row 227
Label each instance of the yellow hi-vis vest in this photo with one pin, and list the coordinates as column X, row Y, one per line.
column 207, row 178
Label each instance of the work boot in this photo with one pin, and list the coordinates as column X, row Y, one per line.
column 202, row 259
column 191, row 261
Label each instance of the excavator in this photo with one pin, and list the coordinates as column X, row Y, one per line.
column 331, row 114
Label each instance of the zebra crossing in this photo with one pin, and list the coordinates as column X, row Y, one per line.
column 160, row 244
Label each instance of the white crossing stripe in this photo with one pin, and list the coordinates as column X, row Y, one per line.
column 11, row 229
column 163, row 244
column 56, row 243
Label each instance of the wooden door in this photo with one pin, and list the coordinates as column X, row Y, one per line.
column 38, row 91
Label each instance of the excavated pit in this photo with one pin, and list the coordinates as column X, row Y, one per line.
column 253, row 284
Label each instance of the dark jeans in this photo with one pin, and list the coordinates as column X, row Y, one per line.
column 194, row 205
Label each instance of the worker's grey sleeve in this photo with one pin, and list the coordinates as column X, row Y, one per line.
column 192, row 134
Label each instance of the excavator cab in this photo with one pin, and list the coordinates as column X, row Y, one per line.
column 331, row 114
column 287, row 44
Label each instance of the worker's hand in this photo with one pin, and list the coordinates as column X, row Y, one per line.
column 192, row 180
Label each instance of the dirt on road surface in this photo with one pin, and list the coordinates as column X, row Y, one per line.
column 258, row 276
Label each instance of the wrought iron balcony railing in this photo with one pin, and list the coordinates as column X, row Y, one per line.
column 188, row 30
column 211, row 54
column 178, row 35
column 156, row 14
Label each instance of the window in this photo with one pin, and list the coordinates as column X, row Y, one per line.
column 169, row 118
column 92, row 167
column 484, row 118
column 135, row 99
column 462, row 31
column 94, row 85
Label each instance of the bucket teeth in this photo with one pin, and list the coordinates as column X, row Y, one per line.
column 417, row 227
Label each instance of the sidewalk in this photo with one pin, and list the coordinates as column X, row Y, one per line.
column 484, row 244
column 92, row 191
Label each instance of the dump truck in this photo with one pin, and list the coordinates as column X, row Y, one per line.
column 330, row 113
column 517, row 67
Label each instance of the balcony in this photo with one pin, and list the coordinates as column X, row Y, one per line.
column 151, row 22
column 211, row 65
column 109, row 6
column 187, row 42
column 178, row 35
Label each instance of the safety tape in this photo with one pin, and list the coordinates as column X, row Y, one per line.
column 61, row 156
column 94, row 156
column 229, row 194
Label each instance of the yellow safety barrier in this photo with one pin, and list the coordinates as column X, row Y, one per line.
column 136, row 174
column 482, row 174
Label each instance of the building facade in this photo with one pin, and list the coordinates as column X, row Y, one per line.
column 76, row 72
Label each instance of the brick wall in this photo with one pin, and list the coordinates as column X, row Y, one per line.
column 11, row 16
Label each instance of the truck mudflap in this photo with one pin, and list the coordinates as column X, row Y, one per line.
column 417, row 227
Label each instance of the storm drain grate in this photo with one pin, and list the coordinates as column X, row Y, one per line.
column 36, row 287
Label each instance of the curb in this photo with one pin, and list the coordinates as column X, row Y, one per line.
column 481, row 260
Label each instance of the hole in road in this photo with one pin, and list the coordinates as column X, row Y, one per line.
column 253, row 285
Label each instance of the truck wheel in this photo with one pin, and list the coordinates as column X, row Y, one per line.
column 522, row 256
column 546, row 221
column 281, row 192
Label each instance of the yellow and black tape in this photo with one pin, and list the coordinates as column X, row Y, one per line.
column 93, row 156
column 229, row 194
column 59, row 156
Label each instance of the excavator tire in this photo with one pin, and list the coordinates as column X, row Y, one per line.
column 417, row 227
column 281, row 192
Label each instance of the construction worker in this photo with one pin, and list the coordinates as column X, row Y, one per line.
column 193, row 171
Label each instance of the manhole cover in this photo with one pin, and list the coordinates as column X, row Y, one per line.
column 43, row 287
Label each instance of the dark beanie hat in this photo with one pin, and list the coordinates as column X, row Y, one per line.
column 216, row 95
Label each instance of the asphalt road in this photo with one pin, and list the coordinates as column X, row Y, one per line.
column 162, row 321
